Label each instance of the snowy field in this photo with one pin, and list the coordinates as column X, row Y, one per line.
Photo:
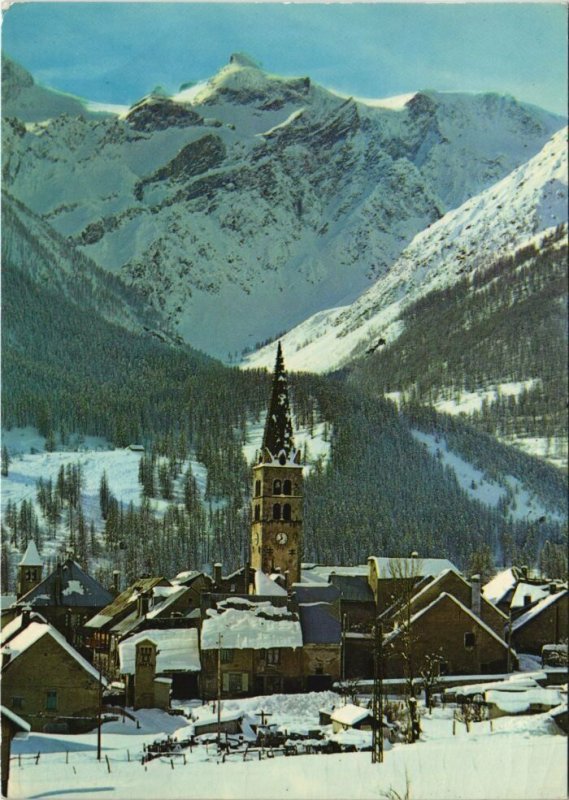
column 521, row 759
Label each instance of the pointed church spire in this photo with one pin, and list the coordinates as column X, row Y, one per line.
column 278, row 427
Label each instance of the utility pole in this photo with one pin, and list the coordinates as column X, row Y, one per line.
column 344, row 630
column 509, row 667
column 219, row 637
column 377, row 708
column 99, row 712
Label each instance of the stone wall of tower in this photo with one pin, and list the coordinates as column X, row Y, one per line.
column 277, row 516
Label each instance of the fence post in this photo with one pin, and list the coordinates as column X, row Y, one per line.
column 172, row 763
column 108, row 763
column 38, row 758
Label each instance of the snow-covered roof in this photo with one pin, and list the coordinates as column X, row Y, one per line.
column 251, row 625
column 349, row 714
column 15, row 719
column 524, row 590
column 68, row 584
column 466, row 610
column 517, row 700
column 165, row 597
column 14, row 626
column 499, row 586
column 322, row 572
column 264, row 585
column 177, row 650
column 413, row 567
column 31, row 557
column 33, row 633
column 536, row 610
column 424, row 589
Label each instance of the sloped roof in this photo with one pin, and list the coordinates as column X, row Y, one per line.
column 177, row 650
column 241, row 624
column 264, row 585
column 68, row 585
column 33, row 633
column 14, row 626
column 354, row 588
column 350, row 714
column 533, row 591
column 537, row 609
column 31, row 557
column 498, row 587
column 124, row 602
column 315, row 592
column 442, row 597
column 319, row 624
column 15, row 719
column 412, row 566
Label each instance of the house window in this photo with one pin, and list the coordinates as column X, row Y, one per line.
column 277, row 487
column 235, row 682
column 286, row 512
column 144, row 656
column 226, row 655
column 277, row 511
column 51, row 700
column 17, row 702
column 273, row 655
column 257, row 488
column 469, row 640
column 257, row 513
column 443, row 667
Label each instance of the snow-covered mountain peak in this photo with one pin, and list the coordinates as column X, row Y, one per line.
column 529, row 201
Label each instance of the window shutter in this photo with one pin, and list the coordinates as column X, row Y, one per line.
column 225, row 678
column 245, row 681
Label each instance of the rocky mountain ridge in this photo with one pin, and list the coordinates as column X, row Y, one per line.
column 244, row 205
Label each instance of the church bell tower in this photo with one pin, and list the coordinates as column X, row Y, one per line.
column 276, row 529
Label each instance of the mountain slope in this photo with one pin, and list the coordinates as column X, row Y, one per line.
column 243, row 206
column 532, row 199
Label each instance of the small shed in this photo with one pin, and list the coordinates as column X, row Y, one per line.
column 351, row 716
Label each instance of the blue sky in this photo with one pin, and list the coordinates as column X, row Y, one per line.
column 116, row 52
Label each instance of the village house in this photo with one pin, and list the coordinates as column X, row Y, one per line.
column 321, row 645
column 104, row 629
column 158, row 664
column 449, row 630
column 47, row 682
column 389, row 577
column 451, row 582
column 67, row 597
column 546, row 622
column 250, row 645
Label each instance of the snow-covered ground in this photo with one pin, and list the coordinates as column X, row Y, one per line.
column 523, row 505
column 516, row 757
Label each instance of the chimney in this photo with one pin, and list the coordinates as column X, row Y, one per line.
column 217, row 573
column 527, row 600
column 142, row 604
column 116, row 581
column 552, row 588
column 524, row 571
column 6, row 656
column 414, row 554
column 475, row 596
column 26, row 613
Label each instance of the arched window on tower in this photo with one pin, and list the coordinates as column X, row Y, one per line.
column 257, row 488
column 286, row 512
column 277, row 487
column 277, row 511
column 287, row 487
column 257, row 513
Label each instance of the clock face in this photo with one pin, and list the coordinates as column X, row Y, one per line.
column 281, row 538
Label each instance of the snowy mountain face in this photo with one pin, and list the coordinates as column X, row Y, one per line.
column 513, row 212
column 244, row 205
